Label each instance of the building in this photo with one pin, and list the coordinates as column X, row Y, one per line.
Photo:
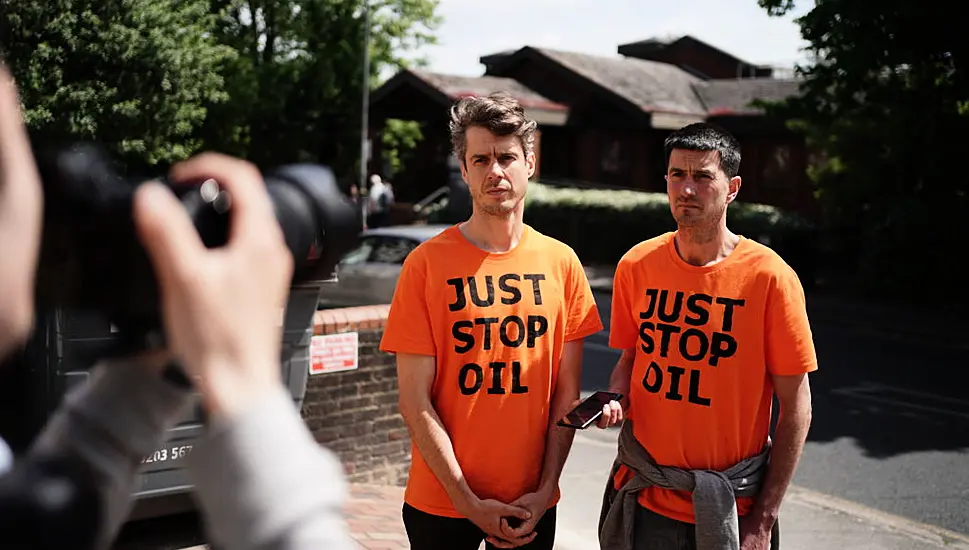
column 603, row 120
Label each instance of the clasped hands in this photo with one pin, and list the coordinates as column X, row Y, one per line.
column 510, row 525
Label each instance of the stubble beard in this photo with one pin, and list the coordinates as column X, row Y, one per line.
column 699, row 226
column 500, row 210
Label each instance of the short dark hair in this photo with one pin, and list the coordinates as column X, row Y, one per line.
column 498, row 112
column 703, row 136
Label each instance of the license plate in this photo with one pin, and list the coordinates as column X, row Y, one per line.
column 168, row 454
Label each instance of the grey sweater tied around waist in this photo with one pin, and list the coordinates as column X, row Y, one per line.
column 714, row 495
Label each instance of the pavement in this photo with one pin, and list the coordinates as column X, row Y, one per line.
column 808, row 519
column 373, row 515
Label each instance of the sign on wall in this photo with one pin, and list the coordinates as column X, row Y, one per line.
column 334, row 352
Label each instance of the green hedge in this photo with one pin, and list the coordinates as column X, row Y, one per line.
column 602, row 224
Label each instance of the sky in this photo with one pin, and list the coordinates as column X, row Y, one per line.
column 473, row 28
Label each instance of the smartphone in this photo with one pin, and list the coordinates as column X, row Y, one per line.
column 589, row 410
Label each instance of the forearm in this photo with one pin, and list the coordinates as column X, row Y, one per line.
column 107, row 426
column 789, row 438
column 558, row 441
column 258, row 495
column 622, row 374
column 619, row 379
column 428, row 433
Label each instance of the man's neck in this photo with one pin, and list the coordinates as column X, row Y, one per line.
column 704, row 246
column 494, row 233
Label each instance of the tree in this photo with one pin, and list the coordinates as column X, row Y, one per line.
column 399, row 140
column 885, row 102
column 296, row 85
column 135, row 75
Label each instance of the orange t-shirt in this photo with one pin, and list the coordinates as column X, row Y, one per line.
column 497, row 325
column 707, row 340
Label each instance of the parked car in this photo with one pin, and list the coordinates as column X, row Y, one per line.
column 368, row 274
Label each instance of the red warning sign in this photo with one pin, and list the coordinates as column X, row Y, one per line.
column 333, row 352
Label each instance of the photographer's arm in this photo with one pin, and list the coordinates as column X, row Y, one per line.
column 262, row 480
column 107, row 426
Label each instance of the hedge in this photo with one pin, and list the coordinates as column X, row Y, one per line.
column 602, row 224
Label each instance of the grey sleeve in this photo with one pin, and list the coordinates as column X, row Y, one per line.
column 108, row 424
column 264, row 483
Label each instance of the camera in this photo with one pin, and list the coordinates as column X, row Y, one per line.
column 93, row 272
column 91, row 258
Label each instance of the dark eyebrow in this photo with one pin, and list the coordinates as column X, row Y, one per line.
column 485, row 156
column 701, row 172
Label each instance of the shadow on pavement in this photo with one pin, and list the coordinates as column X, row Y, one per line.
column 890, row 395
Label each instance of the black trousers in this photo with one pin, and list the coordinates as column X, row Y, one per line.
column 429, row 532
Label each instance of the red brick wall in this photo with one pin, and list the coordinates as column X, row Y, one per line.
column 354, row 413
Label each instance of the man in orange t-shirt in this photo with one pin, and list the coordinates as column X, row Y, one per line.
column 711, row 326
column 487, row 323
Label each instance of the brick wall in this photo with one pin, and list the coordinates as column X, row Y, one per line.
column 354, row 412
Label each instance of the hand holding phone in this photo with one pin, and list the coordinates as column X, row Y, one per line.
column 589, row 410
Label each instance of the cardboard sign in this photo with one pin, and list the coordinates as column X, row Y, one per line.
column 333, row 352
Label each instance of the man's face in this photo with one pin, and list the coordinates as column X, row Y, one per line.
column 496, row 170
column 699, row 191
column 21, row 204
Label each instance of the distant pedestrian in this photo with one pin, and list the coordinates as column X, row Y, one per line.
column 380, row 198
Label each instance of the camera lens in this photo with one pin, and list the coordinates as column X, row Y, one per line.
column 91, row 258
column 320, row 224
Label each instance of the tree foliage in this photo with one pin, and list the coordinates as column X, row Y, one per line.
column 297, row 84
column 273, row 81
column 399, row 139
column 885, row 102
column 136, row 75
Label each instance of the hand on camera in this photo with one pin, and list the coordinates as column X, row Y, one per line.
column 222, row 308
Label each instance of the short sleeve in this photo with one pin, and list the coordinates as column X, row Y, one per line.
column 623, row 330
column 789, row 341
column 583, row 314
column 408, row 328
